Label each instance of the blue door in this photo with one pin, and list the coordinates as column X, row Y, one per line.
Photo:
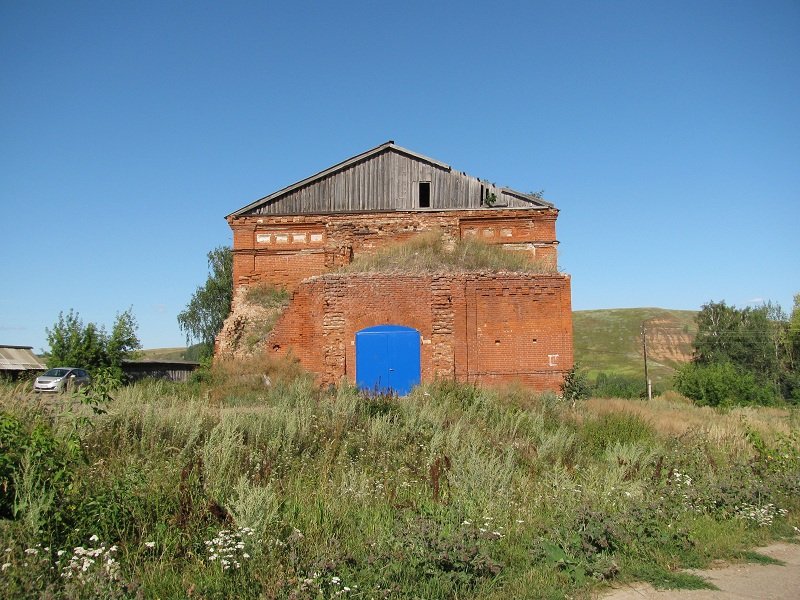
column 387, row 359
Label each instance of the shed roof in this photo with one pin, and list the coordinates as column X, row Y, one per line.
column 18, row 358
column 386, row 146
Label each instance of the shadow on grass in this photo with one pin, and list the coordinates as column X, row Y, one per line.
column 758, row 558
column 662, row 579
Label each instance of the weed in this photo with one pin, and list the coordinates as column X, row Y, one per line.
column 433, row 252
column 617, row 428
column 455, row 491
column 267, row 296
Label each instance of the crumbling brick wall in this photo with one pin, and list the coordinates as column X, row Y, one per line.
column 485, row 328
column 285, row 250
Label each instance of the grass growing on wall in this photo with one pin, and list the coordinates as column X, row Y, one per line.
column 267, row 296
column 237, row 489
column 431, row 252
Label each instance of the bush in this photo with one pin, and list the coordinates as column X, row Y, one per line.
column 722, row 384
column 35, row 470
column 618, row 386
column 575, row 386
column 624, row 428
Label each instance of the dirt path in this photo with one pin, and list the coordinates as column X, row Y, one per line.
column 739, row 581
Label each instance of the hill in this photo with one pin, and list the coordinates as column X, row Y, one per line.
column 164, row 354
column 610, row 340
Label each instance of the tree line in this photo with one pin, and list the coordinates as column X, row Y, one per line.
column 745, row 355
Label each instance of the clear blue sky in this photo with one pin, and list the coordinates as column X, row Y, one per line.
column 667, row 133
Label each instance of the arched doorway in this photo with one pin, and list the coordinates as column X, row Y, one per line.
column 388, row 359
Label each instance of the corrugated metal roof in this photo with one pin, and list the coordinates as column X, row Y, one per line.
column 18, row 358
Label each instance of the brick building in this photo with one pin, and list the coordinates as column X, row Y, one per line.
column 479, row 327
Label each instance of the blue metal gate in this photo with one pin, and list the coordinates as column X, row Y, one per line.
column 388, row 359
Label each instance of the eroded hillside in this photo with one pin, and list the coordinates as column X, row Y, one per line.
column 611, row 340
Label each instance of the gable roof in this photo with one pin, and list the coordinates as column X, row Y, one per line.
column 532, row 200
column 18, row 358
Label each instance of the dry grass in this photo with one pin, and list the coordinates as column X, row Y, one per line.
column 243, row 377
column 383, row 493
column 431, row 253
column 267, row 296
column 671, row 414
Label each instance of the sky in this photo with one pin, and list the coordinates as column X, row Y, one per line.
column 667, row 133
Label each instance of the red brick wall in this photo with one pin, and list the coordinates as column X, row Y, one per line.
column 284, row 250
column 482, row 328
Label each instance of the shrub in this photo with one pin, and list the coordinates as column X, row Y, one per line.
column 617, row 386
column 722, row 384
column 575, row 386
column 597, row 435
column 35, row 471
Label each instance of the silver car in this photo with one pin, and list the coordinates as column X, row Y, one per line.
column 61, row 379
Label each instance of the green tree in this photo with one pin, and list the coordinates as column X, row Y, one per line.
column 790, row 382
column 793, row 334
column 742, row 356
column 722, row 384
column 75, row 344
column 203, row 317
column 123, row 341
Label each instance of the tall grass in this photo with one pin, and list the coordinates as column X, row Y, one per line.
column 451, row 491
column 432, row 252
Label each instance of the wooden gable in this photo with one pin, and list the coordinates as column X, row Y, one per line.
column 387, row 178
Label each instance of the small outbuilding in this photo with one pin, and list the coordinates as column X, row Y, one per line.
column 17, row 361
column 171, row 370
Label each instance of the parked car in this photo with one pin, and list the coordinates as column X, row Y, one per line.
column 61, row 379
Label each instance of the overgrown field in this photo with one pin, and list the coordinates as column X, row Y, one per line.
column 231, row 489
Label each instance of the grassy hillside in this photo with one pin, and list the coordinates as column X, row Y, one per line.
column 611, row 341
column 164, row 354
column 180, row 353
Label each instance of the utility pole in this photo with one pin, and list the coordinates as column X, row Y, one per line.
column 647, row 387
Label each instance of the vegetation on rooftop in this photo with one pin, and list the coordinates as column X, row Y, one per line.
column 431, row 252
